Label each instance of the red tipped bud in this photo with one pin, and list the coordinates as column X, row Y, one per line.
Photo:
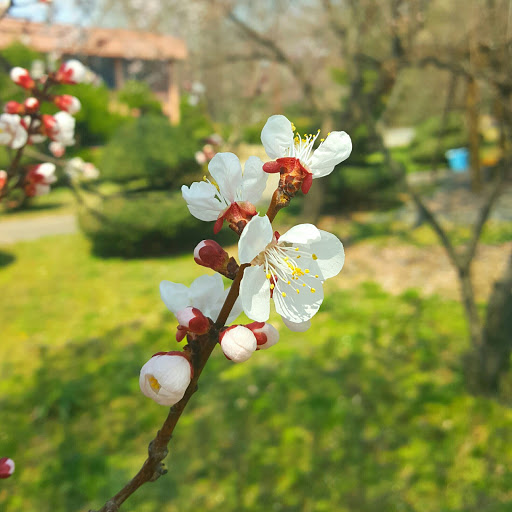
column 191, row 320
column 210, row 254
column 68, row 103
column 13, row 107
column 21, row 77
column 238, row 343
column 71, row 72
column 3, row 179
column 31, row 105
column 6, row 467
column 266, row 335
column 56, row 149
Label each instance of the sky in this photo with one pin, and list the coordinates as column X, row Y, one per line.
column 65, row 11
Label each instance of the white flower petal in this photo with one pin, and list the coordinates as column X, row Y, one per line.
column 255, row 237
column 201, row 200
column 207, row 294
column 297, row 327
column 227, row 172
column 301, row 306
column 330, row 254
column 336, row 148
column 174, row 295
column 254, row 180
column 277, row 136
column 301, row 234
column 236, row 311
column 255, row 294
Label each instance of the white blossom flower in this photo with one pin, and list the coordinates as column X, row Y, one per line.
column 295, row 153
column 60, row 128
column 56, row 149
column 71, row 72
column 233, row 196
column 12, row 131
column 290, row 269
column 39, row 179
column 6, row 467
column 238, row 343
column 166, row 377
column 206, row 294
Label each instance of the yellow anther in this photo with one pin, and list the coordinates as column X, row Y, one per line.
column 314, row 256
column 313, row 290
column 155, row 385
column 286, row 259
column 296, row 248
column 329, row 134
column 321, row 140
column 293, row 127
column 316, row 275
column 288, row 282
column 271, row 286
column 298, row 256
column 298, row 291
column 306, row 271
column 304, row 285
column 268, row 276
column 283, row 294
column 318, row 131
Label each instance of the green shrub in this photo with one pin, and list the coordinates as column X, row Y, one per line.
column 138, row 95
column 139, row 225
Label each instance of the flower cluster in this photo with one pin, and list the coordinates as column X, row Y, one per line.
column 287, row 269
column 23, row 124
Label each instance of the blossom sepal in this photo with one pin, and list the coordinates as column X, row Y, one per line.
column 237, row 215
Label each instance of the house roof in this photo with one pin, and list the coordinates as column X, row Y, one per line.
column 101, row 42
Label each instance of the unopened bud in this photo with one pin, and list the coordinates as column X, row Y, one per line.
column 68, row 103
column 31, row 105
column 192, row 320
column 3, row 179
column 210, row 254
column 56, row 149
column 6, row 467
column 71, row 72
column 166, row 377
column 13, row 107
column 238, row 343
column 266, row 335
column 21, row 77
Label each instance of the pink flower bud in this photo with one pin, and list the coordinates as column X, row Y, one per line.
column 39, row 179
column 13, row 107
column 210, row 254
column 192, row 320
column 6, row 467
column 238, row 343
column 266, row 335
column 31, row 105
column 71, row 72
column 166, row 377
column 56, row 149
column 3, row 179
column 68, row 103
column 21, row 77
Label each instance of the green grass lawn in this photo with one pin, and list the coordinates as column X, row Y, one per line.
column 367, row 411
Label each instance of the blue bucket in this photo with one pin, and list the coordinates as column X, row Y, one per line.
column 458, row 159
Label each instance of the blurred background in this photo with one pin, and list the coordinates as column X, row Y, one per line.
column 398, row 398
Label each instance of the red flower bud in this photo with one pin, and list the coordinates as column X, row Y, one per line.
column 13, row 107
column 210, row 254
column 266, row 334
column 68, row 103
column 31, row 105
column 191, row 320
column 21, row 77
column 6, row 467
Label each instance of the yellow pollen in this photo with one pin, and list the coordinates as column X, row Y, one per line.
column 298, row 291
column 304, row 285
column 155, row 385
column 321, row 140
column 293, row 127
column 316, row 275
column 271, row 286
column 314, row 256
column 268, row 276
column 329, row 134
column 313, row 290
column 318, row 131
column 298, row 256
column 283, row 294
column 286, row 259
column 296, row 248
column 306, row 271
column 288, row 282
